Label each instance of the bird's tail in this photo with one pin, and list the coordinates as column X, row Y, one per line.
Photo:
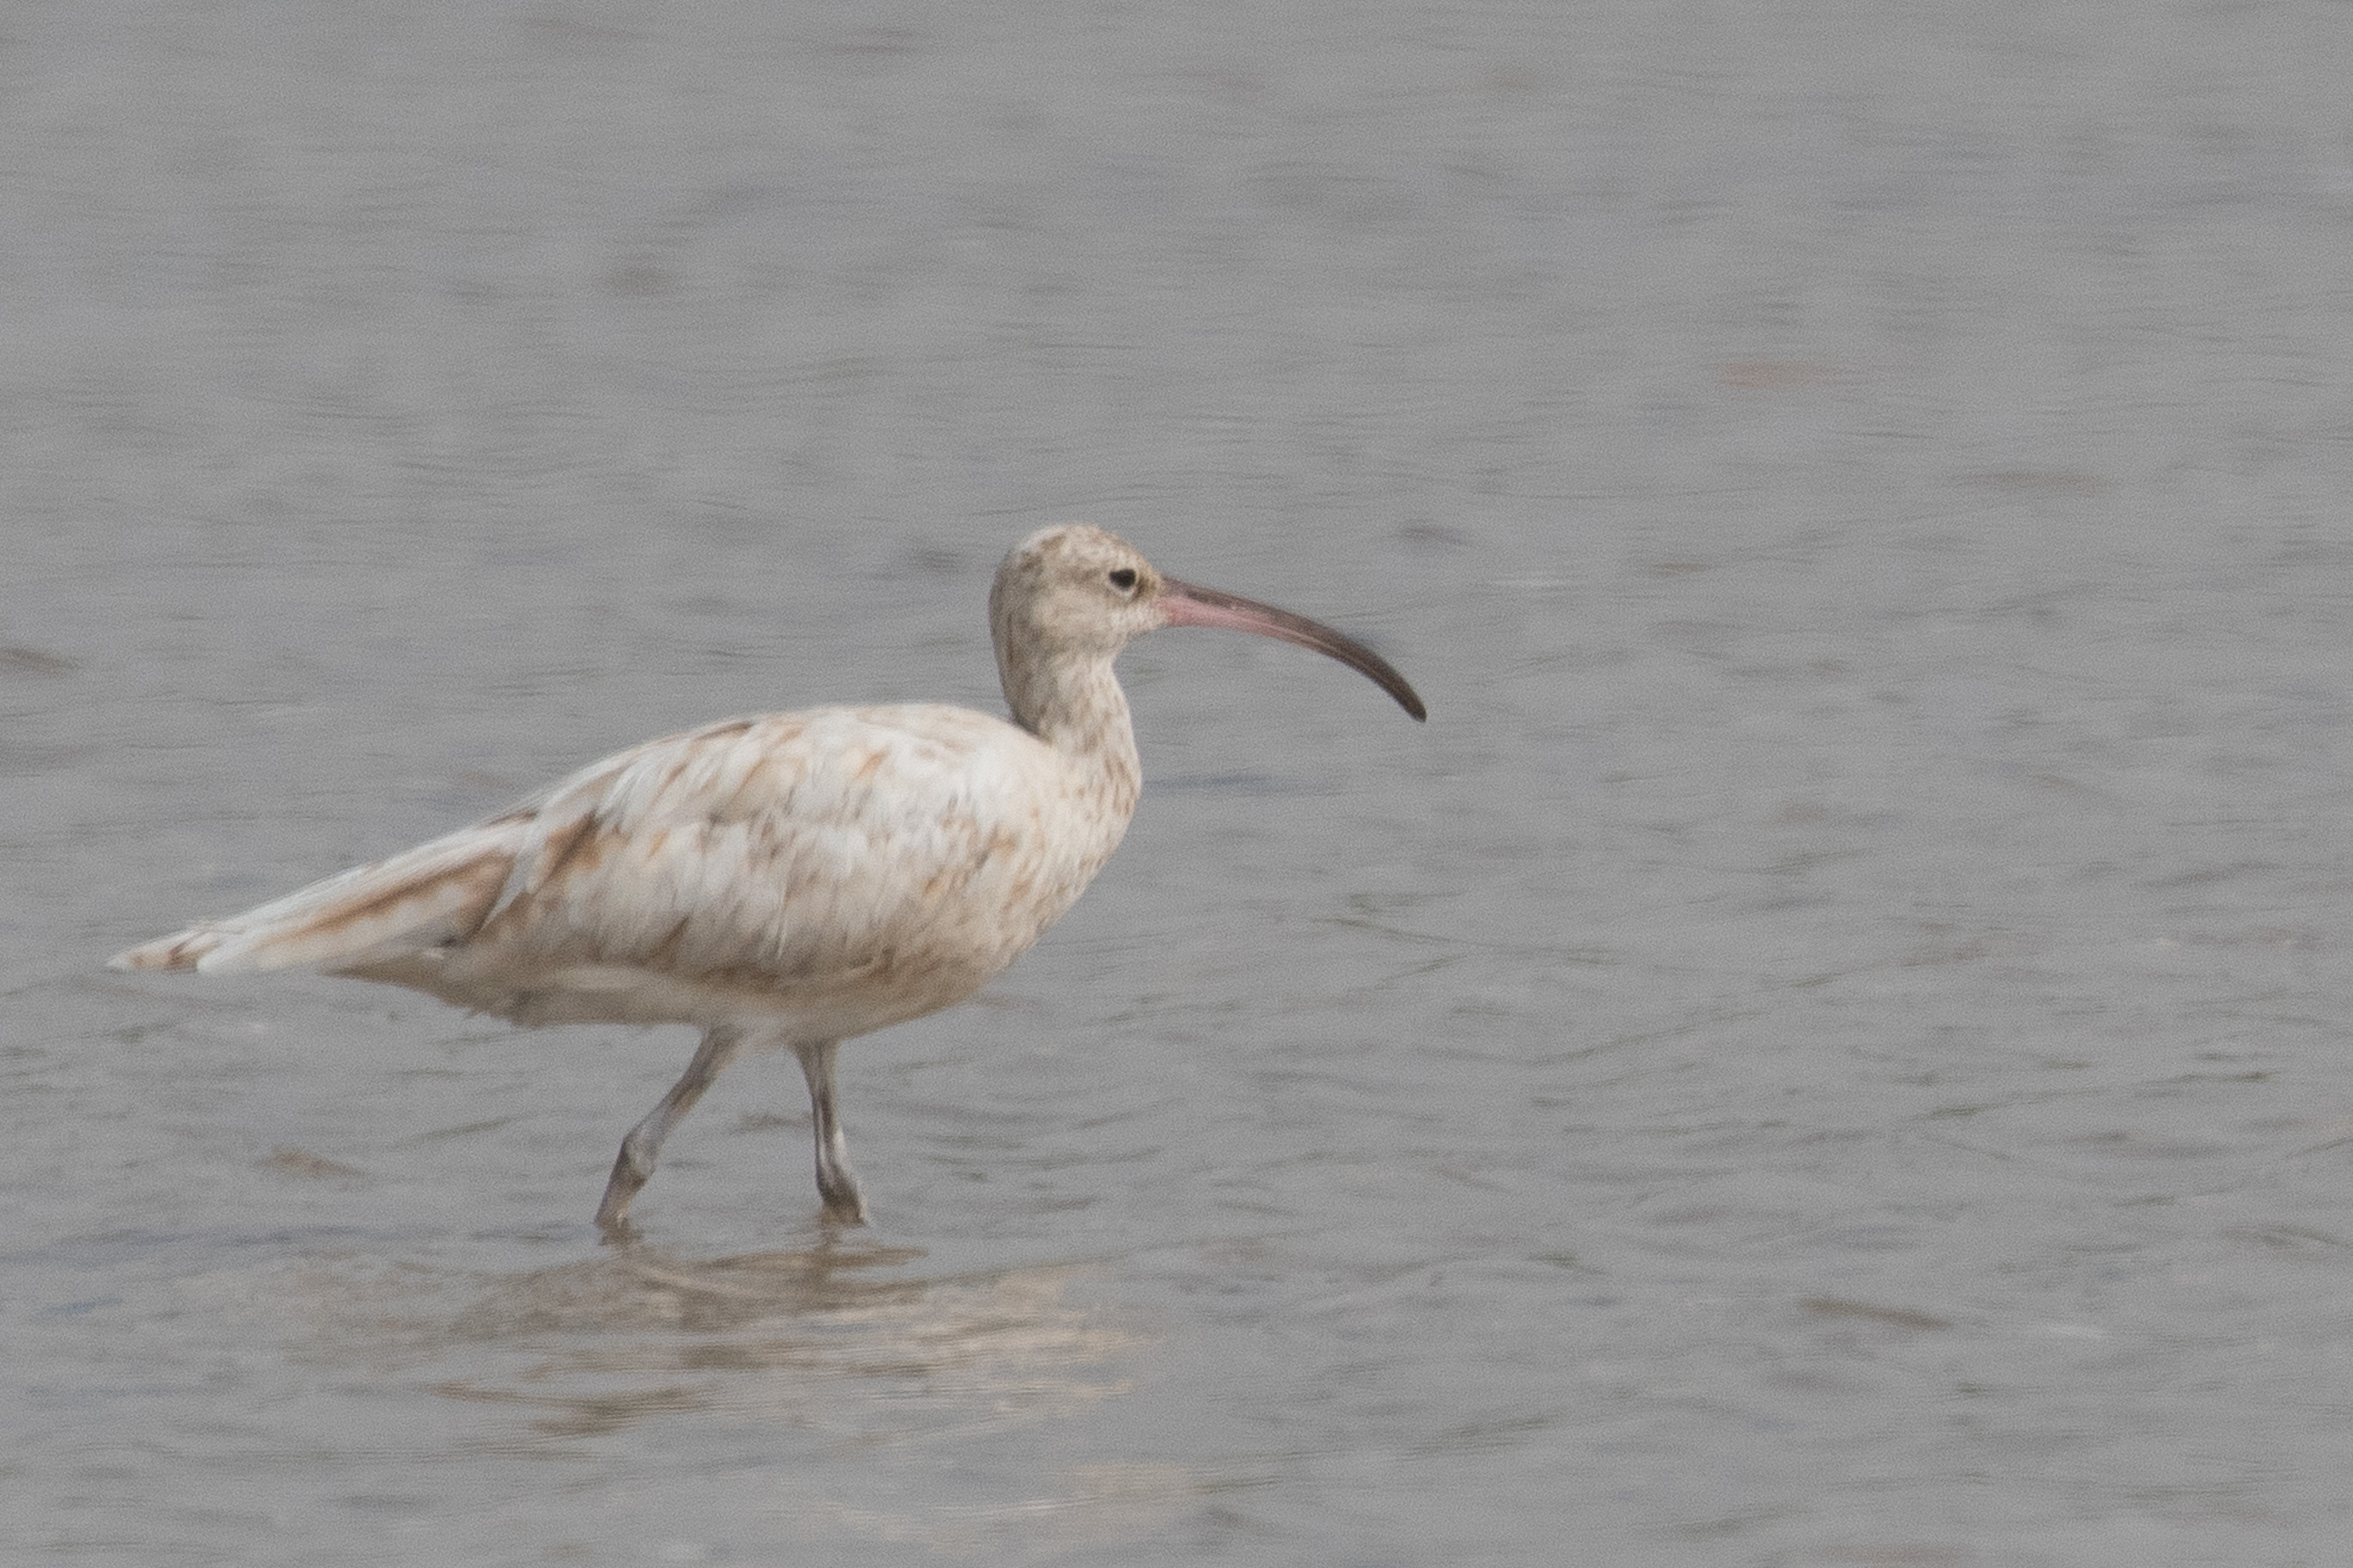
column 435, row 893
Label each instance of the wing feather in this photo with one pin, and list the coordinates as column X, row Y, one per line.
column 795, row 847
column 434, row 893
column 800, row 855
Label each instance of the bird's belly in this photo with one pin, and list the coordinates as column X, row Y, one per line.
column 828, row 995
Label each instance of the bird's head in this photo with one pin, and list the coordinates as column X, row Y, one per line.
column 1073, row 590
column 1085, row 593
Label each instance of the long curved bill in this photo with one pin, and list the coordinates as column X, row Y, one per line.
column 1187, row 605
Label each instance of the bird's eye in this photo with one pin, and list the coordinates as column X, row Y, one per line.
column 1123, row 579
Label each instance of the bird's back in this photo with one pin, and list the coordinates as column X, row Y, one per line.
column 836, row 870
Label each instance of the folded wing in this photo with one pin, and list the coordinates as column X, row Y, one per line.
column 784, row 851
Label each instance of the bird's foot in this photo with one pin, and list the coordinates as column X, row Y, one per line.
column 613, row 1209
column 844, row 1203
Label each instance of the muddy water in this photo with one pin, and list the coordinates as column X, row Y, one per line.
column 1830, row 1047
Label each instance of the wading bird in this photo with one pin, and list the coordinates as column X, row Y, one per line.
column 784, row 882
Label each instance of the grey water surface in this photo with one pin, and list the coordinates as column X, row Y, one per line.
column 1830, row 1047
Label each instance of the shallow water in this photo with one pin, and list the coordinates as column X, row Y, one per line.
column 1829, row 1049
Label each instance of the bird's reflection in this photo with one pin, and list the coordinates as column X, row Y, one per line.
column 845, row 1337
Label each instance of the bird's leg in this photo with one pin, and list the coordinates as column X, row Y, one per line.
column 837, row 1184
column 643, row 1145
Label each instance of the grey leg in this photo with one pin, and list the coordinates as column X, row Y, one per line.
column 643, row 1145
column 837, row 1184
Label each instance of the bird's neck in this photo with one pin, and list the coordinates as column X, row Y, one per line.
column 1080, row 710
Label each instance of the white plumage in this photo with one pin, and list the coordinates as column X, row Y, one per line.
column 787, row 881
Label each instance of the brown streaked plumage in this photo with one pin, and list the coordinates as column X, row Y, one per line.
column 784, row 882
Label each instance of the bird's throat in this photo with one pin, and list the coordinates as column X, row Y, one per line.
column 1081, row 712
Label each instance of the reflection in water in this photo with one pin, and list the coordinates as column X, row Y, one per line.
column 641, row 1331
column 836, row 1343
